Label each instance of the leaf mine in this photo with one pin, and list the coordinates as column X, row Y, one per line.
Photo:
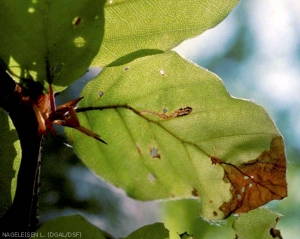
column 177, row 113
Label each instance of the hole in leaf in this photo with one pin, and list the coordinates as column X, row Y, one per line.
column 162, row 72
column 154, row 153
column 100, row 93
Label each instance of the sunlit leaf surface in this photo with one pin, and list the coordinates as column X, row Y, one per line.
column 10, row 157
column 38, row 35
column 136, row 28
column 174, row 131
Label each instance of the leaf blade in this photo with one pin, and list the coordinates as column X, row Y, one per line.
column 10, row 155
column 39, row 35
column 259, row 223
column 153, row 231
column 70, row 226
column 179, row 132
column 134, row 25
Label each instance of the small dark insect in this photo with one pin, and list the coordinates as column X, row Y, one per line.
column 47, row 113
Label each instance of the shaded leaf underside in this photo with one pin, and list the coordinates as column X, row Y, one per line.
column 174, row 131
column 153, row 231
column 70, row 227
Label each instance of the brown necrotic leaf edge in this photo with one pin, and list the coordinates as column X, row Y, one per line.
column 257, row 182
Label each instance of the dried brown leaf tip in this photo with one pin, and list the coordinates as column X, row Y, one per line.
column 257, row 182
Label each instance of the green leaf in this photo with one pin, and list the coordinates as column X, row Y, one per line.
column 257, row 224
column 10, row 158
column 133, row 28
column 173, row 131
column 74, row 226
column 154, row 231
column 181, row 217
column 36, row 36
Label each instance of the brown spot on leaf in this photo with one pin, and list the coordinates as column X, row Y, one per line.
column 138, row 148
column 185, row 235
column 275, row 233
column 257, row 182
column 215, row 160
column 195, row 193
column 215, row 213
column 76, row 21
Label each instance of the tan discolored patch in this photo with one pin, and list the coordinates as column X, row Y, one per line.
column 257, row 182
column 138, row 148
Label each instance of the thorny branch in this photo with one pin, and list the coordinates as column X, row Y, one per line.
column 21, row 216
